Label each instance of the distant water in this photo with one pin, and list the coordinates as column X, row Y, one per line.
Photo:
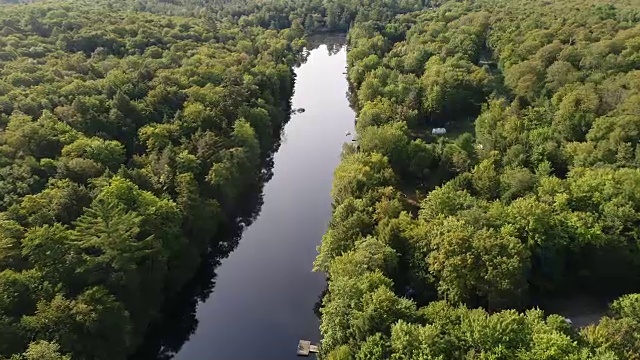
column 264, row 294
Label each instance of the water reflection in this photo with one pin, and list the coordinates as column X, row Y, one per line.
column 333, row 42
column 266, row 291
column 166, row 337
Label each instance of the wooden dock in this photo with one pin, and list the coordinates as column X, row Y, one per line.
column 305, row 348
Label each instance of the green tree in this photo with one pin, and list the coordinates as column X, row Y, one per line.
column 95, row 314
column 376, row 347
column 44, row 350
column 359, row 173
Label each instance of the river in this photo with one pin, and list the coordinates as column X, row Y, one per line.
column 264, row 294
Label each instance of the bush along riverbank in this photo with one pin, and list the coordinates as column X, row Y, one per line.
column 439, row 243
column 128, row 141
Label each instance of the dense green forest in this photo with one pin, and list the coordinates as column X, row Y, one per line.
column 130, row 132
column 127, row 140
column 531, row 194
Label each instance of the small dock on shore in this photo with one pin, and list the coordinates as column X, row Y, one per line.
column 305, row 348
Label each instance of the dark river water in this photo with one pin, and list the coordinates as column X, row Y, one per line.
column 263, row 298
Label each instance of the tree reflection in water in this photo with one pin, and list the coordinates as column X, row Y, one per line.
column 333, row 42
column 167, row 336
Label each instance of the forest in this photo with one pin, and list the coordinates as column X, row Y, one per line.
column 127, row 141
column 130, row 132
column 441, row 247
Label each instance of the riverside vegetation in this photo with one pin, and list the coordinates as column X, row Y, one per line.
column 127, row 141
column 127, row 128
column 436, row 243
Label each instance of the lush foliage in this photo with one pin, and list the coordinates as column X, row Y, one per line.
column 126, row 139
column 531, row 194
column 130, row 131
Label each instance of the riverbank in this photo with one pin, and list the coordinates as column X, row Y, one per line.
column 262, row 290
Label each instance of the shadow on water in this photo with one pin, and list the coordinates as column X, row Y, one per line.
column 166, row 337
column 179, row 322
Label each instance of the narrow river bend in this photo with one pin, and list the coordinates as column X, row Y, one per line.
column 265, row 291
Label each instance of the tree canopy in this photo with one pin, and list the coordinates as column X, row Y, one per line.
column 128, row 136
column 129, row 132
column 529, row 195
